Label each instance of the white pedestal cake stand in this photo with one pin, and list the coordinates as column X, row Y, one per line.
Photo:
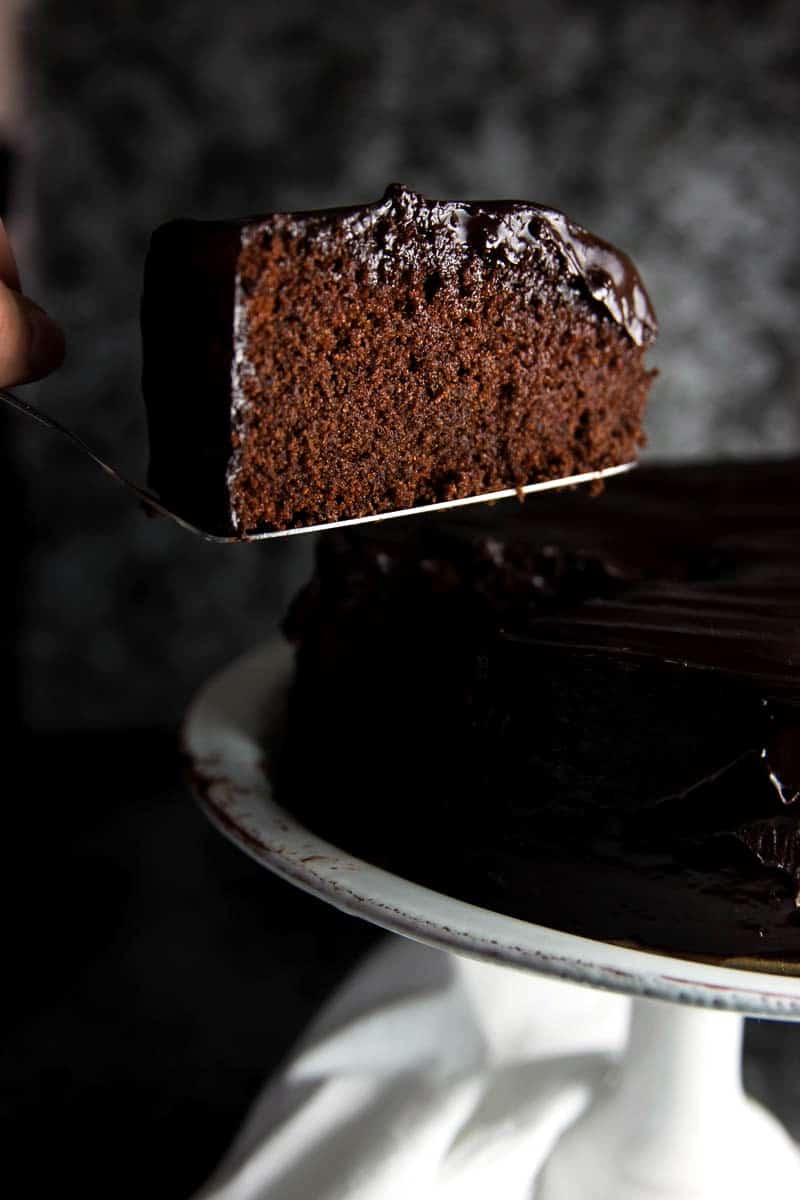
column 673, row 1123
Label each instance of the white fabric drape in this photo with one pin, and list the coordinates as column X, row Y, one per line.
column 425, row 1077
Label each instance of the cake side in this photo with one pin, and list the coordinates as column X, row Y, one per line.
column 358, row 361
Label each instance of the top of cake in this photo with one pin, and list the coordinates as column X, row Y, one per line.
column 697, row 567
column 404, row 230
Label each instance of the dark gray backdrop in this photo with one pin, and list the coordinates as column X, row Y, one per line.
column 155, row 974
column 671, row 129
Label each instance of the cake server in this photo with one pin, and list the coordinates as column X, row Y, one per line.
column 151, row 501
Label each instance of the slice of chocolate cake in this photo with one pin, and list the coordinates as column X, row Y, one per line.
column 311, row 367
column 585, row 713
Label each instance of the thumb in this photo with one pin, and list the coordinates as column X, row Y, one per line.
column 8, row 265
column 31, row 345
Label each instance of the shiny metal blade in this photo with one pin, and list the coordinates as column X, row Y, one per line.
column 548, row 485
column 141, row 493
column 152, row 501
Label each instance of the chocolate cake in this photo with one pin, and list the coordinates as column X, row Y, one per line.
column 582, row 712
column 310, row 367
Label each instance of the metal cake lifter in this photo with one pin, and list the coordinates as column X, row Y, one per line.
column 152, row 502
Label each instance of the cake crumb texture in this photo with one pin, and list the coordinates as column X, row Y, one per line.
column 386, row 368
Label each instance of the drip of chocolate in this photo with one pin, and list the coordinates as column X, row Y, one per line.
column 775, row 841
column 781, row 758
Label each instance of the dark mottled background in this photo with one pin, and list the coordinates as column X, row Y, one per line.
column 155, row 974
column 672, row 129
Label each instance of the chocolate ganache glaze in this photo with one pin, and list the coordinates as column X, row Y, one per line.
column 490, row 230
column 583, row 712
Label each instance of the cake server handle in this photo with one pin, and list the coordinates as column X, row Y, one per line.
column 147, row 498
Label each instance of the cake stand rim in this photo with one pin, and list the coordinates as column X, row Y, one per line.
column 226, row 736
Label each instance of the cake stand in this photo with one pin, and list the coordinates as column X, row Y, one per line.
column 673, row 1122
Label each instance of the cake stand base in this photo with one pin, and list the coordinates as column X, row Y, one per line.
column 673, row 1123
column 488, row 1073
column 442, row 1078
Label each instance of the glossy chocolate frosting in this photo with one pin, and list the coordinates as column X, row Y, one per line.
column 481, row 231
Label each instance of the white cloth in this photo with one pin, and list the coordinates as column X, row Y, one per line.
column 425, row 1077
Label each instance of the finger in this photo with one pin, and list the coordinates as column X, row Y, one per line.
column 8, row 264
column 31, row 345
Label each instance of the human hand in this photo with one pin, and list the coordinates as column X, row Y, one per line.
column 31, row 345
